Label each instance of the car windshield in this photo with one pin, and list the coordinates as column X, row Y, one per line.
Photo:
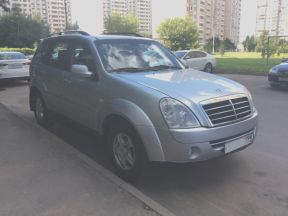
column 135, row 56
column 180, row 54
column 11, row 56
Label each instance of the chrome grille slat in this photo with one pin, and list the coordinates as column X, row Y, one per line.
column 227, row 110
column 218, row 107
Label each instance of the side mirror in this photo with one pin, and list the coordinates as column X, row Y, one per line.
column 81, row 70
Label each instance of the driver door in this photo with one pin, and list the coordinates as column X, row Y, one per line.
column 82, row 93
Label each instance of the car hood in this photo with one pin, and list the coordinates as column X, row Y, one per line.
column 283, row 67
column 188, row 84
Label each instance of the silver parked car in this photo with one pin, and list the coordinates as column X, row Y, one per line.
column 198, row 60
column 14, row 65
column 140, row 97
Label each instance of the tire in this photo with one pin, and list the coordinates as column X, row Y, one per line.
column 42, row 115
column 208, row 68
column 273, row 85
column 126, row 151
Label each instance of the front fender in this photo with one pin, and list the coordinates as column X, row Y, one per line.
column 139, row 120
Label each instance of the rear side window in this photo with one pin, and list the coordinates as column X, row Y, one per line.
column 12, row 56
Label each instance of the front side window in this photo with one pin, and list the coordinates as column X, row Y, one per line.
column 81, row 55
column 135, row 55
column 58, row 56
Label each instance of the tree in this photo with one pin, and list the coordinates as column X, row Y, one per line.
column 250, row 43
column 4, row 5
column 209, row 45
column 229, row 45
column 179, row 33
column 222, row 48
column 262, row 45
column 116, row 23
column 21, row 31
column 72, row 27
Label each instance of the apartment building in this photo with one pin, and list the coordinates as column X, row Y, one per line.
column 232, row 20
column 142, row 9
column 55, row 12
column 219, row 18
column 272, row 16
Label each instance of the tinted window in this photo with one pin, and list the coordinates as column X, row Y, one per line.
column 11, row 56
column 180, row 54
column 193, row 54
column 57, row 55
column 82, row 56
column 201, row 54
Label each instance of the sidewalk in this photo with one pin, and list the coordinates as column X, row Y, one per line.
column 42, row 176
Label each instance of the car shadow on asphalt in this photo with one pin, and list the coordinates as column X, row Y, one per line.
column 200, row 174
column 11, row 83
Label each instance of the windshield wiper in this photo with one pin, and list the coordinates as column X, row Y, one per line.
column 163, row 67
column 129, row 69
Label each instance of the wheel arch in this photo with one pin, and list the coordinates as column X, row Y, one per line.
column 124, row 110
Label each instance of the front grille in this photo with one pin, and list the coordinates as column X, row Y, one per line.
column 227, row 111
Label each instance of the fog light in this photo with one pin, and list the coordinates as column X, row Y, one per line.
column 194, row 153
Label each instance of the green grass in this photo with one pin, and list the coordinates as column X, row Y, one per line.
column 246, row 63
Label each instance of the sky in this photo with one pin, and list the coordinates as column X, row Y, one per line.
column 89, row 14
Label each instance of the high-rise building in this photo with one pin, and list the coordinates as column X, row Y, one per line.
column 232, row 20
column 272, row 16
column 57, row 13
column 219, row 18
column 142, row 9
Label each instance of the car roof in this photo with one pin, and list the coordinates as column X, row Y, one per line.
column 97, row 37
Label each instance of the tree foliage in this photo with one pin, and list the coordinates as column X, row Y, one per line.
column 72, row 27
column 250, row 43
column 20, row 31
column 4, row 5
column 116, row 23
column 179, row 33
column 219, row 45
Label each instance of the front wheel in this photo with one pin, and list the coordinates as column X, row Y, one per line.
column 208, row 68
column 126, row 151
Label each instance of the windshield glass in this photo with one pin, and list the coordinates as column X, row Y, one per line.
column 11, row 56
column 135, row 55
column 180, row 54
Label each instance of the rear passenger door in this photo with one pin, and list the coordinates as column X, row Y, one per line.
column 56, row 59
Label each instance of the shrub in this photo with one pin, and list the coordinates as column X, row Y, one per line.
column 25, row 51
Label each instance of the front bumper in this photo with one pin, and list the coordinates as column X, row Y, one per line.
column 278, row 79
column 201, row 144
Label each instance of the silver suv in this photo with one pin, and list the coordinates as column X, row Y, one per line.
column 140, row 97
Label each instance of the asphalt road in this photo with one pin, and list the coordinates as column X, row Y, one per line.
column 251, row 182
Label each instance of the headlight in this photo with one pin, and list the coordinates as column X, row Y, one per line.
column 251, row 101
column 273, row 70
column 177, row 115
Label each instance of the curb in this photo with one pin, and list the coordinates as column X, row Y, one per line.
column 149, row 202
column 241, row 73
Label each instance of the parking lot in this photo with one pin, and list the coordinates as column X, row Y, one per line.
column 251, row 182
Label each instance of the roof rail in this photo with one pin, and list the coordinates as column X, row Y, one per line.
column 124, row 34
column 69, row 33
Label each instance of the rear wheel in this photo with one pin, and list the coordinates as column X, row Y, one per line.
column 126, row 151
column 208, row 68
column 41, row 113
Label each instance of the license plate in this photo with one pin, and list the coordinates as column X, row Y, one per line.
column 283, row 79
column 239, row 143
column 14, row 66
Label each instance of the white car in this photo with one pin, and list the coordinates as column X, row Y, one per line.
column 198, row 60
column 14, row 65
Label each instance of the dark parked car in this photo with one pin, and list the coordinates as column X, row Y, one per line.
column 278, row 75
